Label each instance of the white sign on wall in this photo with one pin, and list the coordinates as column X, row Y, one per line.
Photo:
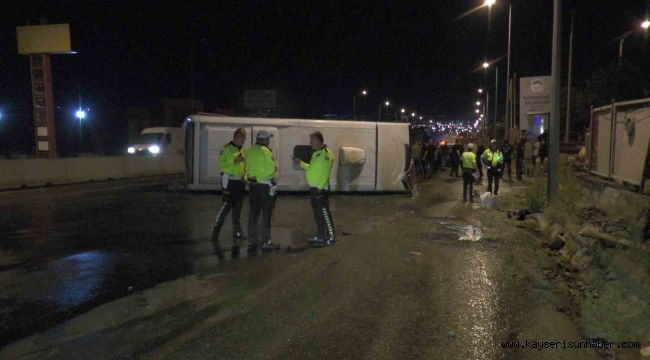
column 534, row 98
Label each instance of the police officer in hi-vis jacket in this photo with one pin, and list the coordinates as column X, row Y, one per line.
column 261, row 170
column 317, row 172
column 233, row 186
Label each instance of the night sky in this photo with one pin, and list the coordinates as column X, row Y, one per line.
column 420, row 55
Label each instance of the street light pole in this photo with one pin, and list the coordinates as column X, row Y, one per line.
column 354, row 103
column 387, row 104
column 620, row 47
column 568, row 94
column 487, row 117
column 554, row 129
column 192, row 74
column 496, row 99
column 508, row 123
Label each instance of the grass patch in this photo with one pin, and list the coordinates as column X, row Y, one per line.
column 568, row 203
column 535, row 194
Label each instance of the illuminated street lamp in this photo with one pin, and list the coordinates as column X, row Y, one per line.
column 486, row 65
column 489, row 3
column 413, row 114
column 480, row 91
column 403, row 110
column 644, row 25
column 80, row 114
column 477, row 111
column 478, row 103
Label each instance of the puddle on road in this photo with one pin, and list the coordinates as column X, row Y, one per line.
column 79, row 276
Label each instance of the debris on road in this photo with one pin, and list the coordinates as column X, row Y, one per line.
column 521, row 215
column 415, row 253
column 467, row 233
column 557, row 244
column 489, row 201
column 593, row 232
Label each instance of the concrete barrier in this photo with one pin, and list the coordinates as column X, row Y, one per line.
column 39, row 172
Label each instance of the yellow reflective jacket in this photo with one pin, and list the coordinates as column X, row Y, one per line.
column 492, row 158
column 260, row 164
column 227, row 158
column 319, row 168
column 469, row 160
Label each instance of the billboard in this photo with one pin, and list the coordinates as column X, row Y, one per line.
column 534, row 99
column 40, row 39
column 260, row 99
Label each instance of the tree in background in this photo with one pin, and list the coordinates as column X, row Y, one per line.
column 617, row 82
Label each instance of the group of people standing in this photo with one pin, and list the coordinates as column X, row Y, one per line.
column 494, row 161
column 256, row 168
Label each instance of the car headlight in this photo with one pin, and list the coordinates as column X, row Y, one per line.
column 154, row 149
column 131, row 150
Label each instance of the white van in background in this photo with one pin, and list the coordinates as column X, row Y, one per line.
column 157, row 141
column 369, row 156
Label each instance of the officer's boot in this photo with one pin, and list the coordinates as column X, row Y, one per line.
column 236, row 240
column 215, row 241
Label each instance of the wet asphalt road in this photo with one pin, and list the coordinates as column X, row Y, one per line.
column 67, row 249
column 398, row 284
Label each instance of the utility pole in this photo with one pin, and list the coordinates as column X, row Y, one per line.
column 554, row 129
column 568, row 89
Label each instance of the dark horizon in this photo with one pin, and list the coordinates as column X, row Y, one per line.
column 421, row 56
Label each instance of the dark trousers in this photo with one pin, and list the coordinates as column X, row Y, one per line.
column 519, row 167
column 262, row 202
column 508, row 166
column 493, row 177
column 433, row 166
column 468, row 184
column 453, row 163
column 233, row 199
column 320, row 205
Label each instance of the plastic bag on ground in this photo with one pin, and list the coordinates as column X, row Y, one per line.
column 488, row 201
column 466, row 233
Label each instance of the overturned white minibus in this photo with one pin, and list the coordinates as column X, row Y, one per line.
column 369, row 156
